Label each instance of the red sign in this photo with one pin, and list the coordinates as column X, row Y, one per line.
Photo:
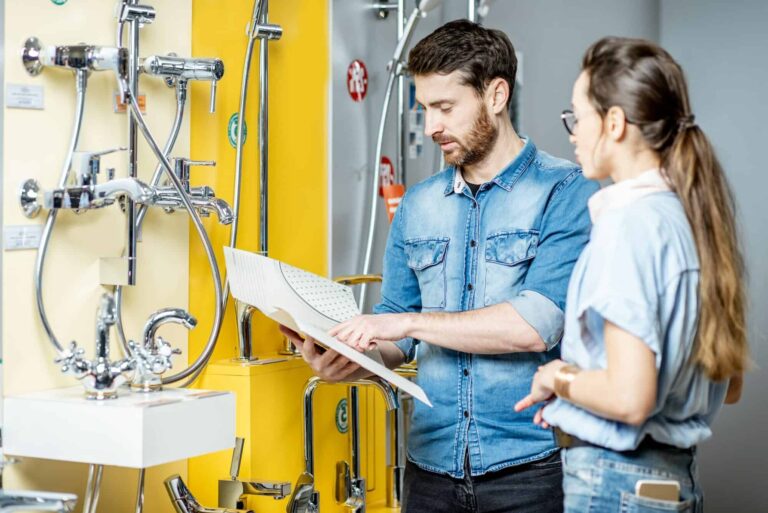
column 386, row 174
column 357, row 80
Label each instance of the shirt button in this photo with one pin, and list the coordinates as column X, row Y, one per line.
column 472, row 243
column 466, row 372
column 470, row 287
column 466, row 414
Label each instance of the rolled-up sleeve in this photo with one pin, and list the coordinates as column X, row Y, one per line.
column 565, row 231
column 400, row 288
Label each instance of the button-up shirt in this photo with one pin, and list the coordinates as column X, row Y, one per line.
column 448, row 250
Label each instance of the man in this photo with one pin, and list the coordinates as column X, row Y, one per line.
column 492, row 240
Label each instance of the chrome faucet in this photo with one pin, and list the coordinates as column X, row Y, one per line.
column 175, row 69
column 244, row 313
column 350, row 489
column 101, row 377
column 232, row 492
column 202, row 198
column 153, row 356
column 184, row 502
column 36, row 501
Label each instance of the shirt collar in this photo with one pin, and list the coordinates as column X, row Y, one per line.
column 508, row 176
column 627, row 191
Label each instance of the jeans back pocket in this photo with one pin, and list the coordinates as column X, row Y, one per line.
column 426, row 257
column 631, row 503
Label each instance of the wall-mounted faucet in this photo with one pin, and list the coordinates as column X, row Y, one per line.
column 174, row 68
column 234, row 491
column 36, row 57
column 203, row 198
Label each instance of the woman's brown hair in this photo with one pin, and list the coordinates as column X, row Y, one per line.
column 649, row 86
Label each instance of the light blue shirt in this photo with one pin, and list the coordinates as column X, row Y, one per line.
column 640, row 271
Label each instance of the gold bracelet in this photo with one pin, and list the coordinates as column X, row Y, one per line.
column 563, row 379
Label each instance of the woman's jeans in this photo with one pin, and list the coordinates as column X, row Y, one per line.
column 597, row 480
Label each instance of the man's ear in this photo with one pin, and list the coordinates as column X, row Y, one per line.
column 498, row 95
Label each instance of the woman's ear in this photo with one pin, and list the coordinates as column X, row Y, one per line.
column 499, row 94
column 615, row 123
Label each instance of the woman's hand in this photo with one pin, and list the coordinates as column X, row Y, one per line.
column 363, row 331
column 542, row 389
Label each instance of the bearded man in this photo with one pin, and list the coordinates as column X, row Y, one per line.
column 475, row 275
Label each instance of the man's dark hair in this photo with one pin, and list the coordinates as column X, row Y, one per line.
column 480, row 54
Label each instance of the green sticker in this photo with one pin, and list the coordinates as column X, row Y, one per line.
column 59, row 2
column 342, row 419
column 232, row 130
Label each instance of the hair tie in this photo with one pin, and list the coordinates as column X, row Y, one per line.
column 686, row 122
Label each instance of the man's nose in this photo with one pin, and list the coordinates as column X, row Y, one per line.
column 432, row 126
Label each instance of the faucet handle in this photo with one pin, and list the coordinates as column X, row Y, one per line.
column 237, row 456
column 181, row 168
column 212, row 107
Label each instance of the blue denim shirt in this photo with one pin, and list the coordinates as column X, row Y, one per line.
column 517, row 241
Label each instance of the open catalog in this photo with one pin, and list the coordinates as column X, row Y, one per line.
column 306, row 303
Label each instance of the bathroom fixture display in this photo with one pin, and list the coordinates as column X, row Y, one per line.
column 234, row 491
column 11, row 501
column 184, row 502
column 351, row 487
column 135, row 430
column 396, row 68
column 258, row 28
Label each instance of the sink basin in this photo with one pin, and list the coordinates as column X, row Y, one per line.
column 135, row 430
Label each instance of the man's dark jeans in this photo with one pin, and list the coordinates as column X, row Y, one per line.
column 535, row 487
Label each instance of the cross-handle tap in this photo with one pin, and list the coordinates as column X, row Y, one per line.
column 153, row 355
column 233, row 491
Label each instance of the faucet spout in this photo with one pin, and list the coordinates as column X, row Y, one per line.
column 184, row 502
column 165, row 316
column 218, row 205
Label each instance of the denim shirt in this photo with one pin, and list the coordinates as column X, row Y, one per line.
column 448, row 251
column 640, row 271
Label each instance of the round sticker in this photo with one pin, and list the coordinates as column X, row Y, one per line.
column 386, row 174
column 342, row 417
column 357, row 80
column 232, row 131
column 59, row 2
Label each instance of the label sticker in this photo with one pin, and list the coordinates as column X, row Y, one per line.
column 25, row 236
column 23, row 96
column 386, row 174
column 120, row 108
column 59, row 2
column 357, row 80
column 232, row 131
column 342, row 416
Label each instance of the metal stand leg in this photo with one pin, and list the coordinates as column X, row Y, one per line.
column 140, row 492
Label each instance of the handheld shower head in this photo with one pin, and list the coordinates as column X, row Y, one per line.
column 420, row 11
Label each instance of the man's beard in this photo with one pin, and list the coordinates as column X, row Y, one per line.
column 478, row 145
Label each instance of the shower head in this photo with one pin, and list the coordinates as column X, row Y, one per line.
column 427, row 5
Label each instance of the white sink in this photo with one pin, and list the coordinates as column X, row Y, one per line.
column 135, row 430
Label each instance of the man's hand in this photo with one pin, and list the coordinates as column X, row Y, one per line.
column 329, row 366
column 362, row 332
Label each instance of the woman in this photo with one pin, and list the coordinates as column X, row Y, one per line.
column 655, row 336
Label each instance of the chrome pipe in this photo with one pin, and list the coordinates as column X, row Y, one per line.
column 181, row 98
column 81, row 81
column 472, row 10
column 264, row 137
column 375, row 185
column 205, row 355
column 93, row 488
column 133, row 135
column 401, row 159
column 140, row 492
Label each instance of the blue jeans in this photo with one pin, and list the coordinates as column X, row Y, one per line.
column 534, row 487
column 597, row 480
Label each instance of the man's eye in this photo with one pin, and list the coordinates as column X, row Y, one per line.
column 446, row 109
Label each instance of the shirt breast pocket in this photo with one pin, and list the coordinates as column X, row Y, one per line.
column 507, row 258
column 426, row 257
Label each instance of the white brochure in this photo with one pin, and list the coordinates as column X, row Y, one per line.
column 306, row 303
